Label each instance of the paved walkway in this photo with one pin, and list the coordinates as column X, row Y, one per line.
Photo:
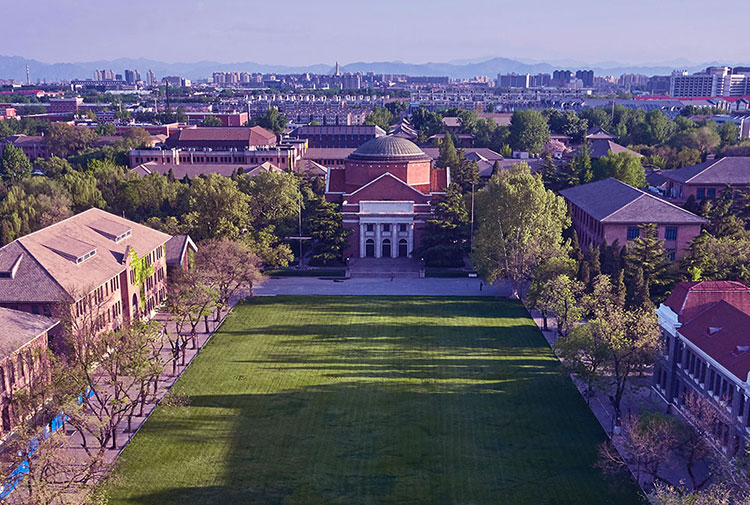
column 638, row 397
column 381, row 286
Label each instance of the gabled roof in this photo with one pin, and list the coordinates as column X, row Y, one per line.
column 721, row 332
column 601, row 147
column 613, row 201
column 255, row 136
column 20, row 328
column 379, row 178
column 597, row 132
column 728, row 170
column 691, row 298
column 176, row 248
column 68, row 259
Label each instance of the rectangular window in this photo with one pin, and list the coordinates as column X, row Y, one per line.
column 633, row 232
column 402, row 227
column 711, row 192
column 370, row 227
column 670, row 233
column 700, row 194
column 386, row 227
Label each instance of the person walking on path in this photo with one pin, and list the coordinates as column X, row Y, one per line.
column 392, row 275
column 481, row 285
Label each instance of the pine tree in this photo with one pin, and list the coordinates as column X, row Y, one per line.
column 647, row 255
column 448, row 157
column 329, row 236
column 446, row 235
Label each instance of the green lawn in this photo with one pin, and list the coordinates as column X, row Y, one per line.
column 371, row 400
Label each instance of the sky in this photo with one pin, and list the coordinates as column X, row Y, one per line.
column 305, row 32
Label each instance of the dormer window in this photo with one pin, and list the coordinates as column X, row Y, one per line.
column 122, row 236
column 81, row 259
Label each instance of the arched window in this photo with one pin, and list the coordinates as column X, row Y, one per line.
column 370, row 248
column 403, row 248
column 386, row 249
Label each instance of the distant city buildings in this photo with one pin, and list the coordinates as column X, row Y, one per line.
column 713, row 81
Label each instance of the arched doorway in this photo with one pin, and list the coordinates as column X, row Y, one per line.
column 370, row 248
column 403, row 248
column 386, row 249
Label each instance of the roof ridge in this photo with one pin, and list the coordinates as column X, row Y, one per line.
column 60, row 222
column 631, row 201
column 383, row 175
column 710, row 165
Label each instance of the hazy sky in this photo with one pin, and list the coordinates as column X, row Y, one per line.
column 298, row 32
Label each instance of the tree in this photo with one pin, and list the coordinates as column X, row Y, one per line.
column 272, row 120
column 328, row 234
column 623, row 166
column 218, row 209
column 520, row 224
column 380, row 116
column 14, row 165
column 106, row 129
column 53, row 167
column 228, row 267
column 646, row 257
column 466, row 173
column 83, row 189
column 539, row 295
column 65, row 140
column 448, row 156
column 585, row 354
column 719, row 258
column 18, row 211
column 211, row 121
column 729, row 133
column 137, row 138
column 272, row 197
column 446, row 234
column 191, row 299
column 529, row 131
column 564, row 301
column 630, row 335
column 650, row 441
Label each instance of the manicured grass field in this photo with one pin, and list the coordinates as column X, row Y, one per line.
column 371, row 400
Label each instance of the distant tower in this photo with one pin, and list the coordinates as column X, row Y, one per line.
column 338, row 69
column 28, row 76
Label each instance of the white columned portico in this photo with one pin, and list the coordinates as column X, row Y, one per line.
column 392, row 213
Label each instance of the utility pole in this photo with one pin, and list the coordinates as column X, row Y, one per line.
column 471, row 236
column 299, row 216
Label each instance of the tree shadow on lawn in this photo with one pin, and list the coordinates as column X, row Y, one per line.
column 399, row 306
column 386, row 443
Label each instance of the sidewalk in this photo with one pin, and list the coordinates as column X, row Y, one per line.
column 165, row 381
column 638, row 397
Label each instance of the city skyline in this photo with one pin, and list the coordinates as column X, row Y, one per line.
column 423, row 32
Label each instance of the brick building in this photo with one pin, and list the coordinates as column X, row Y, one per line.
column 706, row 351
column 24, row 341
column 318, row 136
column 219, row 138
column 707, row 180
column 612, row 210
column 89, row 265
column 387, row 188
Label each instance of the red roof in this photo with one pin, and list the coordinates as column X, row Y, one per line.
column 691, row 298
column 721, row 332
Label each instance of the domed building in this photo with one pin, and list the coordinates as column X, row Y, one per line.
column 387, row 190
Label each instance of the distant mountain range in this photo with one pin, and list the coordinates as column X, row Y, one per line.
column 14, row 67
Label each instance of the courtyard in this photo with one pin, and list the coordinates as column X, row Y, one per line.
column 371, row 400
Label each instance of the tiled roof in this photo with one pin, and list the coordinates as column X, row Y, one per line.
column 255, row 136
column 339, row 130
column 601, row 147
column 728, row 170
column 721, row 332
column 690, row 298
column 328, row 153
column 58, row 252
column 20, row 328
column 613, row 201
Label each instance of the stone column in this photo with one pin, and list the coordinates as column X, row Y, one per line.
column 394, row 240
column 362, row 238
column 378, row 245
column 410, row 237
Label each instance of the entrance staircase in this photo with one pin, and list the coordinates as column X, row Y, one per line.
column 384, row 267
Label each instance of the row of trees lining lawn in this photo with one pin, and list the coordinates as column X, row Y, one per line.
column 99, row 383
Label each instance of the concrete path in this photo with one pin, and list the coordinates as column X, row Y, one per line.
column 381, row 286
